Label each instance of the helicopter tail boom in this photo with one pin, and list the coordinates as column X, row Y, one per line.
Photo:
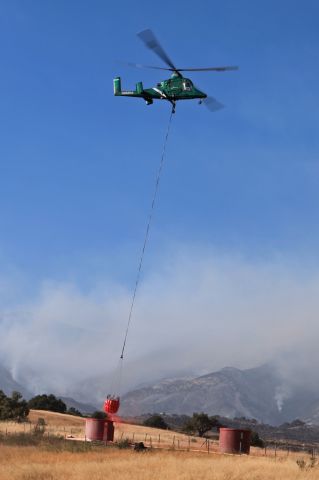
column 139, row 92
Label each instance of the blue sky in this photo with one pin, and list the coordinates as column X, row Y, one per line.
column 78, row 164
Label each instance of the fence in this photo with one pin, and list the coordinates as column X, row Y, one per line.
column 166, row 439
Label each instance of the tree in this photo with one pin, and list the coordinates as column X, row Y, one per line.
column 156, row 421
column 47, row 402
column 200, row 423
column 256, row 441
column 14, row 407
column 74, row 411
column 18, row 406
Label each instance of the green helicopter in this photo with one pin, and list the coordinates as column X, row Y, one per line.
column 175, row 88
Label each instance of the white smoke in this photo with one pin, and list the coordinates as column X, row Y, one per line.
column 199, row 312
column 282, row 393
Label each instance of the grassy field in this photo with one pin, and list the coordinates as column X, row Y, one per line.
column 33, row 463
column 68, row 425
column 54, row 459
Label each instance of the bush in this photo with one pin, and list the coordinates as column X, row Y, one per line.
column 256, row 441
column 39, row 427
column 74, row 411
column 14, row 407
column 124, row 443
column 99, row 415
column 47, row 402
column 156, row 421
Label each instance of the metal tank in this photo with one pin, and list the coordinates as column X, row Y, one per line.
column 94, row 428
column 234, row 440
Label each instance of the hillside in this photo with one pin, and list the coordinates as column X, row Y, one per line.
column 8, row 385
column 230, row 392
column 253, row 393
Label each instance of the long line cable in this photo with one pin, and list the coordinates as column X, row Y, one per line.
column 150, row 217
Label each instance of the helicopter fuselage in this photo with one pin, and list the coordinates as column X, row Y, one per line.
column 175, row 88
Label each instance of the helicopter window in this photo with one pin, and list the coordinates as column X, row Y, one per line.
column 187, row 85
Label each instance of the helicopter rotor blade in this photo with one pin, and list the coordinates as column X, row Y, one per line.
column 212, row 104
column 209, row 69
column 139, row 65
column 151, row 42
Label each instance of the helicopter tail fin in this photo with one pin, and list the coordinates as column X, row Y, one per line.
column 117, row 86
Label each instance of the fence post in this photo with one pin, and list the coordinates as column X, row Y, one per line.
column 207, row 446
column 159, row 438
column 133, row 437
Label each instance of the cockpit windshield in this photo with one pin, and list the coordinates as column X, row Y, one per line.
column 187, row 85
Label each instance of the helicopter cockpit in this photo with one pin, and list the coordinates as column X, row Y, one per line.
column 187, row 85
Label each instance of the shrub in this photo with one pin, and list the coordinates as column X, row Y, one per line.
column 39, row 427
column 256, row 441
column 156, row 421
column 74, row 411
column 99, row 415
column 47, row 402
column 124, row 443
column 14, row 407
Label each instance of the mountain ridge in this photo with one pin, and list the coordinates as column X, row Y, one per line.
column 259, row 392
column 229, row 392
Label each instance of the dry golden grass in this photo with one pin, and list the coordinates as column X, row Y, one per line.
column 66, row 425
column 56, row 424
column 31, row 463
column 45, row 462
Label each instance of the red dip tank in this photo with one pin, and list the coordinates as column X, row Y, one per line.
column 94, row 428
column 234, row 440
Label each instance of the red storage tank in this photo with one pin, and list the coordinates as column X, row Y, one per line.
column 234, row 440
column 94, row 428
column 109, row 431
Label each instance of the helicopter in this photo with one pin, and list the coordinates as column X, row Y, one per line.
column 173, row 89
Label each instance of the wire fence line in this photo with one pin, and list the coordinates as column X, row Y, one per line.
column 167, row 440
